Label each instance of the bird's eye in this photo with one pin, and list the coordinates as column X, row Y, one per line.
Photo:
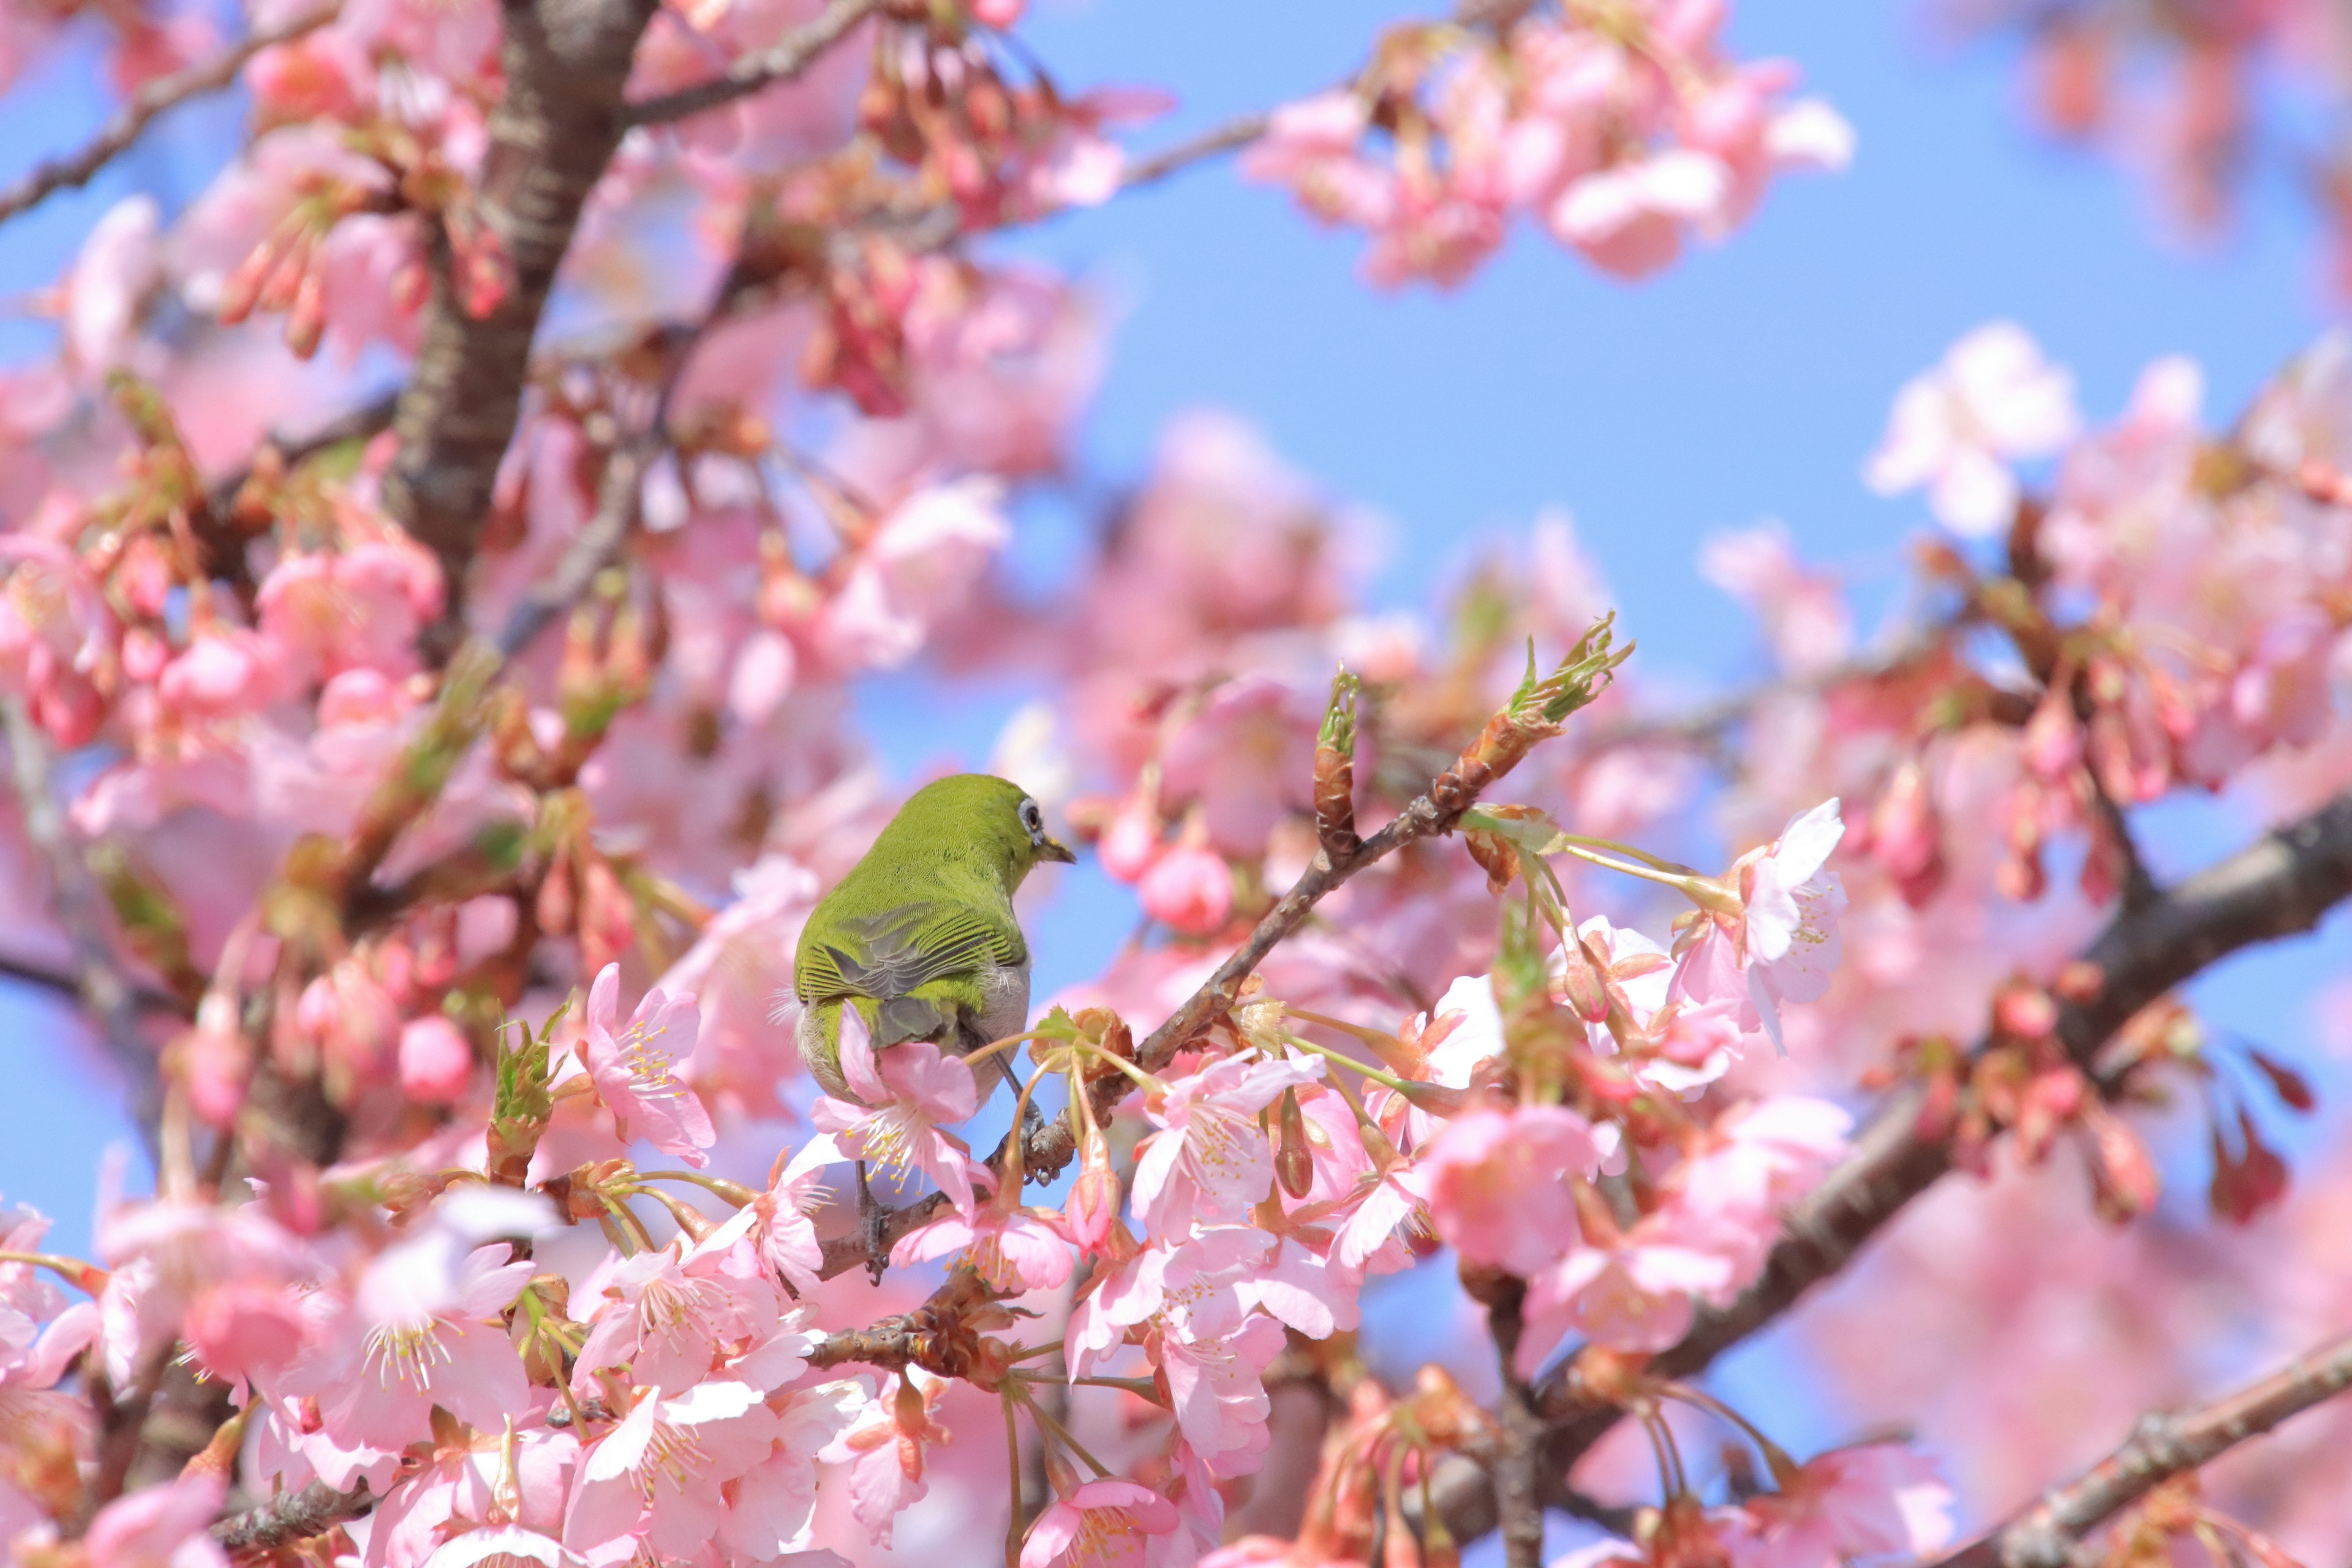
column 1031, row 818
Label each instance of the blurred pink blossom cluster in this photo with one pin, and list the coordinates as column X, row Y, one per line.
column 1622, row 133
column 442, row 789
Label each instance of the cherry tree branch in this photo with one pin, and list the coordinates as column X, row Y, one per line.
column 157, row 98
column 2280, row 885
column 107, row 992
column 2161, row 1447
column 297, row 1516
column 1519, row 1500
column 565, row 63
column 1230, row 137
column 1048, row 1147
column 788, row 58
column 355, row 424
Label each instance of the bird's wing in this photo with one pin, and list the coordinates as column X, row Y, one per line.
column 891, row 955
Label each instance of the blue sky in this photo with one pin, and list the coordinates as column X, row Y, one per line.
column 1746, row 384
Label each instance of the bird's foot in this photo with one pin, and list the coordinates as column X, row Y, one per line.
column 873, row 1227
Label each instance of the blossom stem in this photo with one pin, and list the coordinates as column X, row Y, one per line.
column 1062, row 1434
column 990, row 1049
column 1681, row 884
column 686, row 1219
column 1662, row 1444
column 1342, row 1058
column 1019, row 1527
column 620, row 1205
column 1783, row 1467
column 619, row 1236
column 733, row 1194
column 1033, row 1351
column 1372, row 1038
column 1012, row 1169
column 85, row 1277
column 1143, row 1081
column 1141, row 1387
column 1657, row 862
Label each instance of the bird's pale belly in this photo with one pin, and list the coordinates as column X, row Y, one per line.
column 1005, row 994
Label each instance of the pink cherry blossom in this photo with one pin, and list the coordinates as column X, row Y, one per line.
column 654, row 1481
column 886, row 1447
column 120, row 263
column 1111, row 1523
column 923, row 556
column 1189, row 888
column 1870, row 1501
column 1014, row 1248
column 683, row 1313
column 1220, row 1402
column 1631, row 1295
column 163, row 1527
column 1992, row 400
column 1498, row 1184
column 910, row 1090
column 436, row 1061
column 1209, row 1160
column 633, row 1066
column 1784, row 944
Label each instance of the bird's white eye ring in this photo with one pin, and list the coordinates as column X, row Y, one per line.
column 1031, row 818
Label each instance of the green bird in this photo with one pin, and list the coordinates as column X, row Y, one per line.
column 920, row 936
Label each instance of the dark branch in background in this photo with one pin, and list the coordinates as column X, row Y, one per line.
column 2276, row 886
column 1518, row 1499
column 158, row 96
column 66, row 982
column 790, row 55
column 619, row 495
column 107, row 993
column 315, row 1510
column 2161, row 1448
column 359, row 423
column 565, row 63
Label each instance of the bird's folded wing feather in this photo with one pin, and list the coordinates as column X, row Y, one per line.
column 891, row 955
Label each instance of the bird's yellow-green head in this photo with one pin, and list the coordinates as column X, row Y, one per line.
column 989, row 820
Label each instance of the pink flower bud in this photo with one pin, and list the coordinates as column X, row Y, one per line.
column 1189, row 888
column 1092, row 1207
column 1131, row 843
column 436, row 1060
column 216, row 1063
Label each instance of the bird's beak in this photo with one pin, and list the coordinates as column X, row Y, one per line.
column 1054, row 849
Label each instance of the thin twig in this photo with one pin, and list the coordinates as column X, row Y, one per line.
column 791, row 55
column 1230, row 137
column 359, row 423
column 619, row 501
column 65, row 981
column 1704, row 723
column 158, row 96
column 2161, row 1447
column 108, row 993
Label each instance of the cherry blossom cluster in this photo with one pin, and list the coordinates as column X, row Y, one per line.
column 1624, row 131
column 451, row 884
column 2200, row 102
